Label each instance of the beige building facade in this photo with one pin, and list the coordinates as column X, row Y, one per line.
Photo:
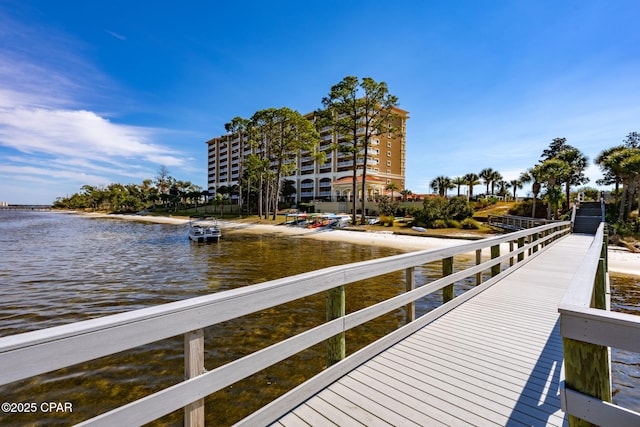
column 314, row 181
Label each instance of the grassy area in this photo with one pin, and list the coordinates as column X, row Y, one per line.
column 500, row 208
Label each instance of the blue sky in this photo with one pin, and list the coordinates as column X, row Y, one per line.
column 95, row 92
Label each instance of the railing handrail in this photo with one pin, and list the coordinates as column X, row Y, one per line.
column 41, row 351
column 580, row 290
column 580, row 321
column 513, row 216
column 286, row 290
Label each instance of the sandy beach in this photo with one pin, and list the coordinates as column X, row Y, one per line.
column 620, row 260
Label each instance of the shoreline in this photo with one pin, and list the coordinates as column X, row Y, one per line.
column 621, row 260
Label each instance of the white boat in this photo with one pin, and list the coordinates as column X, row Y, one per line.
column 204, row 229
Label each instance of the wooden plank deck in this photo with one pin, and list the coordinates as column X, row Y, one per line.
column 495, row 360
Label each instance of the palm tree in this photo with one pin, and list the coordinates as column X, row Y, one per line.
column 577, row 163
column 471, row 179
column 533, row 175
column 515, row 184
column 612, row 169
column 487, row 176
column 391, row 187
column 441, row 184
column 624, row 163
column 503, row 187
column 554, row 171
column 631, row 171
column 405, row 193
column 496, row 177
column 458, row 181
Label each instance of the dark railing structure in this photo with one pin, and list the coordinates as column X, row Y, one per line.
column 513, row 222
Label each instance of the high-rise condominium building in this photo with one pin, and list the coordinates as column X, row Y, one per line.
column 330, row 181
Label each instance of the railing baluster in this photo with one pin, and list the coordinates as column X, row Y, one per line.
column 410, row 283
column 495, row 253
column 194, row 366
column 447, row 269
column 478, row 261
column 336, row 308
column 521, row 244
column 511, row 261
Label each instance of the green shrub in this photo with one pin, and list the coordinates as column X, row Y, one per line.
column 525, row 208
column 452, row 223
column 386, row 220
column 481, row 203
column 387, row 206
column 459, row 208
column 470, row 224
column 440, row 209
column 439, row 223
column 630, row 227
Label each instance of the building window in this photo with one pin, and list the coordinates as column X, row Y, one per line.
column 389, row 144
column 388, row 153
column 388, row 162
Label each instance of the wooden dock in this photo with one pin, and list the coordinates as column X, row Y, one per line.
column 494, row 360
column 493, row 355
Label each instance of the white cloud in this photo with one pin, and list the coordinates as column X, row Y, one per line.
column 116, row 35
column 43, row 175
column 78, row 134
column 51, row 133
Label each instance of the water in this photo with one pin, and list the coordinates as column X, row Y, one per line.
column 60, row 268
column 625, row 369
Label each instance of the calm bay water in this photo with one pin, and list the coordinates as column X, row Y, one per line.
column 60, row 268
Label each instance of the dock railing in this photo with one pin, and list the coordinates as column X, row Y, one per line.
column 589, row 329
column 33, row 353
column 514, row 222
